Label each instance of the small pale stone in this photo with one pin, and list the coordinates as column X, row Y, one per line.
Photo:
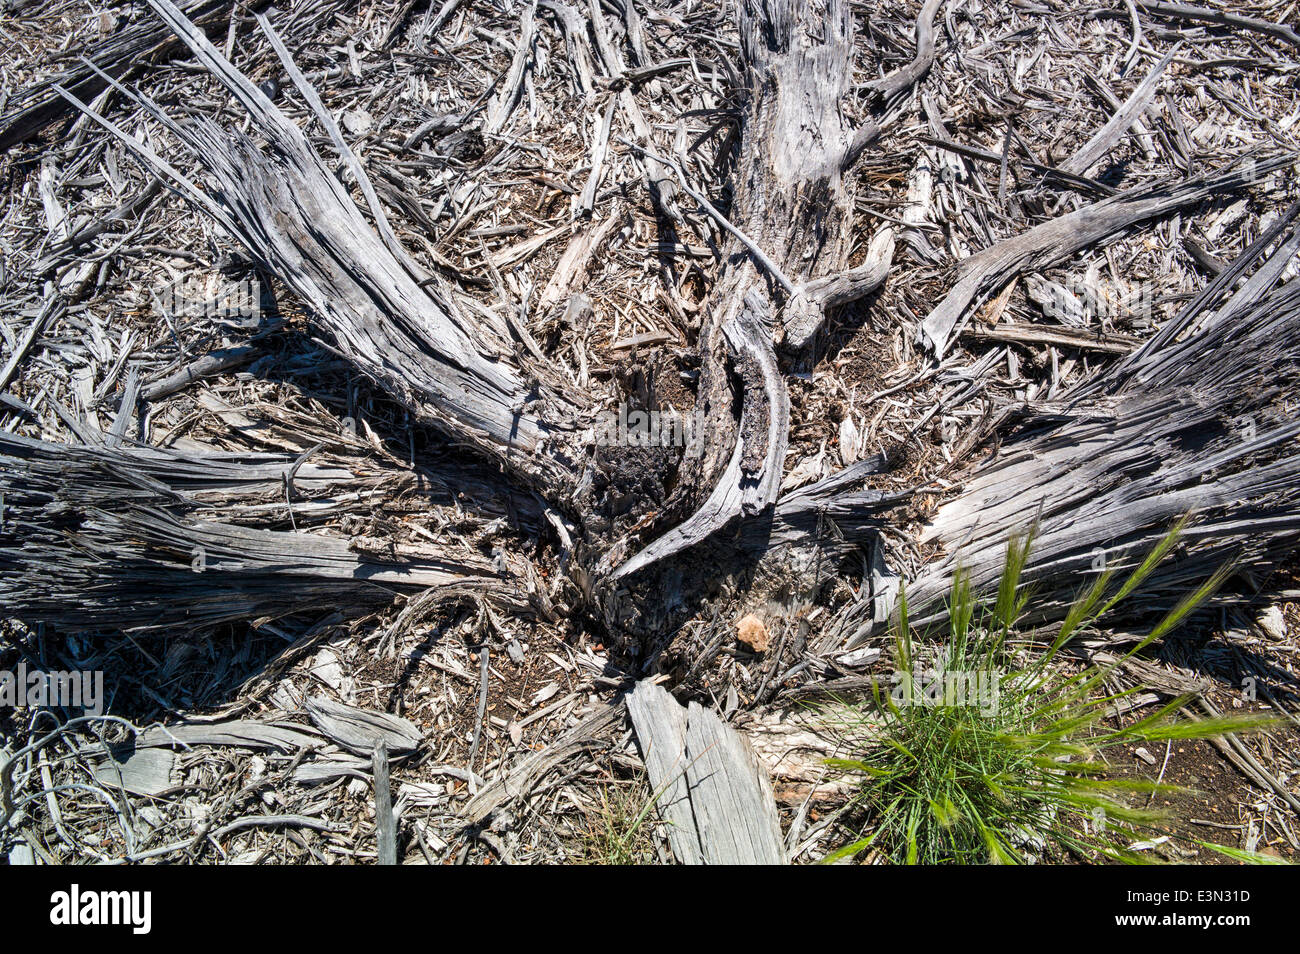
column 357, row 122
column 1272, row 622
column 751, row 631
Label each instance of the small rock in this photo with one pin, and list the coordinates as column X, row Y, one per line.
column 1273, row 623
column 751, row 631
column 357, row 122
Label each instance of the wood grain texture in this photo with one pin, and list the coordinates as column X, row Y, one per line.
column 711, row 788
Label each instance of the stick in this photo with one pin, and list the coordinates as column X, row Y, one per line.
column 385, row 823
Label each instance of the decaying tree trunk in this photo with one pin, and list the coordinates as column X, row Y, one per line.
column 390, row 319
column 381, row 310
column 1108, row 467
column 790, row 223
column 137, row 538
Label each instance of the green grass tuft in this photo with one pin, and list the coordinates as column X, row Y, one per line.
column 1007, row 760
column 621, row 830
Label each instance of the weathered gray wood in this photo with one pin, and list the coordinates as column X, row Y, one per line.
column 910, row 75
column 486, row 381
column 1110, row 134
column 1061, row 337
column 205, row 366
column 807, row 308
column 39, row 105
column 987, row 272
column 1201, row 425
column 299, row 223
column 790, row 222
column 119, row 536
column 662, row 188
column 520, row 778
column 751, row 480
column 360, row 730
column 51, row 308
column 459, row 374
column 21, row 853
column 575, row 37
column 141, row 771
column 661, row 734
column 512, row 87
column 385, row 823
column 735, row 810
column 1187, row 11
column 237, row 733
column 709, row 785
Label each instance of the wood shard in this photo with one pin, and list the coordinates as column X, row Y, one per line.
column 712, row 790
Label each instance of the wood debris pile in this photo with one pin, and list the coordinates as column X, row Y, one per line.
column 330, row 333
